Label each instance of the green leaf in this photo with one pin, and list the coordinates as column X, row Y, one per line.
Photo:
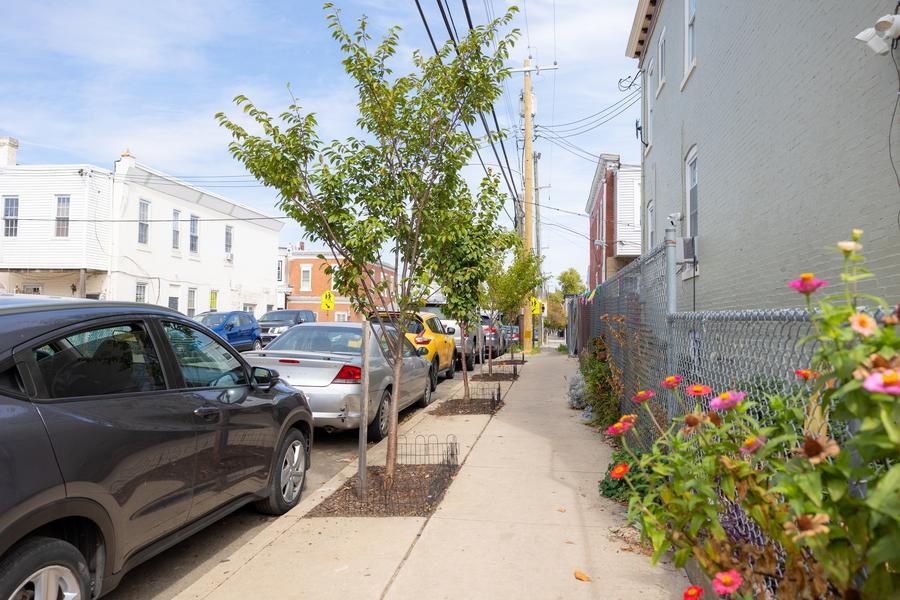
column 811, row 485
column 885, row 498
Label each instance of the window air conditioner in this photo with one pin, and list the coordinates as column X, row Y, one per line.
column 229, row 256
column 686, row 250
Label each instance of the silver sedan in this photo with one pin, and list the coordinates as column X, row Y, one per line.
column 325, row 361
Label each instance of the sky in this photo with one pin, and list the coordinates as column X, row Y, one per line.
column 80, row 82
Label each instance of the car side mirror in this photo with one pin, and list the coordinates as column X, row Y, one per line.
column 451, row 330
column 422, row 351
column 228, row 326
column 264, row 378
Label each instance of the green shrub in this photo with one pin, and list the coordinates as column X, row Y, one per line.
column 599, row 393
column 562, row 348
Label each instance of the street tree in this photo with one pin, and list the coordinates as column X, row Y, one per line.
column 556, row 318
column 381, row 197
column 470, row 253
column 570, row 282
column 507, row 289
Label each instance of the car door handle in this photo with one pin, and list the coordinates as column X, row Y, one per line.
column 207, row 412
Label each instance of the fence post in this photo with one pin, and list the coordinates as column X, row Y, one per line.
column 671, row 298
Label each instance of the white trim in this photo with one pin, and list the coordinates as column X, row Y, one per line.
column 690, row 158
column 661, row 62
column 688, row 75
column 308, row 270
column 690, row 27
column 144, row 220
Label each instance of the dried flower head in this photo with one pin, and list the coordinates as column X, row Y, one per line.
column 892, row 318
column 817, row 448
column 714, row 418
column 807, row 526
column 692, row 422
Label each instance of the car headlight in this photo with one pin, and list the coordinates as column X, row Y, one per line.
column 279, row 329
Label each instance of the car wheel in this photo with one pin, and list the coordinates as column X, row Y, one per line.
column 470, row 363
column 257, row 344
column 451, row 370
column 433, row 374
column 426, row 396
column 378, row 428
column 289, row 476
column 43, row 567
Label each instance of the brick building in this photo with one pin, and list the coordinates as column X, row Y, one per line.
column 308, row 280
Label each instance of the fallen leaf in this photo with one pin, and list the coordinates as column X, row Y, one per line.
column 570, row 542
column 581, row 576
column 561, row 509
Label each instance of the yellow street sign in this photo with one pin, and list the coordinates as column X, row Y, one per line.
column 328, row 300
column 535, row 306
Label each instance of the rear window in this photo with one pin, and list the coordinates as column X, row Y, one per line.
column 279, row 315
column 328, row 340
column 212, row 319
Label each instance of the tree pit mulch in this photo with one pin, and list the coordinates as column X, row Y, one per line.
column 417, row 491
column 495, row 377
column 472, row 406
column 510, row 361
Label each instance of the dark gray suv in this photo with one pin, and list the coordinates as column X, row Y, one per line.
column 125, row 428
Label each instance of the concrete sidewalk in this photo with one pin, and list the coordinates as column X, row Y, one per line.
column 522, row 515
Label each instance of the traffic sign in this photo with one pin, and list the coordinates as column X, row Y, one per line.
column 328, row 300
column 535, row 306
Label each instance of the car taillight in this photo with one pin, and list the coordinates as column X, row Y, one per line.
column 348, row 374
column 289, row 361
column 492, row 330
column 422, row 341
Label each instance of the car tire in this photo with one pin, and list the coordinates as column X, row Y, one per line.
column 378, row 428
column 427, row 396
column 451, row 370
column 289, row 476
column 470, row 363
column 257, row 344
column 433, row 374
column 42, row 557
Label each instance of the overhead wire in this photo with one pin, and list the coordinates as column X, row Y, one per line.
column 512, row 217
column 611, row 112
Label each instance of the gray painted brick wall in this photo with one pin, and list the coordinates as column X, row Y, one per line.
column 790, row 116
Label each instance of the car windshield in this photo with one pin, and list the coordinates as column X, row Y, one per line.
column 279, row 315
column 212, row 319
column 325, row 339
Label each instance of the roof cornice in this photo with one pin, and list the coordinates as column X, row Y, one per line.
column 642, row 28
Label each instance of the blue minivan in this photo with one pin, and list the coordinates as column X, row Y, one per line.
column 238, row 327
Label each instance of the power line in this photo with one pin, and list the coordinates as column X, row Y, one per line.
column 599, row 118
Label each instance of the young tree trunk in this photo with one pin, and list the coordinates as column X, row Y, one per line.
column 390, row 465
column 462, row 336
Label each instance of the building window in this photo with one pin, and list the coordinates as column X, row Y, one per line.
column 690, row 12
column 305, row 278
column 250, row 308
column 229, row 236
column 340, row 317
column 10, row 216
column 32, row 288
column 690, row 165
column 279, row 271
column 143, row 222
column 270, row 307
column 648, row 129
column 173, row 302
column 651, row 225
column 176, row 229
column 195, row 233
column 661, row 61
column 140, row 292
column 213, row 300
column 192, row 302
column 62, row 216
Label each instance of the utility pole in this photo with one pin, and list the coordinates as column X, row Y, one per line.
column 529, row 194
column 537, row 242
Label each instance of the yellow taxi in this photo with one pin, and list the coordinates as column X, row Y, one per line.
column 426, row 330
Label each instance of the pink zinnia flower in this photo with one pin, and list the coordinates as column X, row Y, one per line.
column 726, row 400
column 727, row 582
column 863, row 324
column 752, row 444
column 698, row 389
column 807, row 284
column 671, row 382
column 618, row 428
column 885, row 382
column 642, row 396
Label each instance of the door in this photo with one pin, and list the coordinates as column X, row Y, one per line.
column 233, row 330
column 248, row 332
column 443, row 342
column 121, row 436
column 415, row 374
column 237, row 425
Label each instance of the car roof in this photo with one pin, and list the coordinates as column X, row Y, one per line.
column 17, row 303
column 348, row 324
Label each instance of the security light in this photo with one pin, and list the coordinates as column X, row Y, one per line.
column 873, row 40
column 888, row 26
